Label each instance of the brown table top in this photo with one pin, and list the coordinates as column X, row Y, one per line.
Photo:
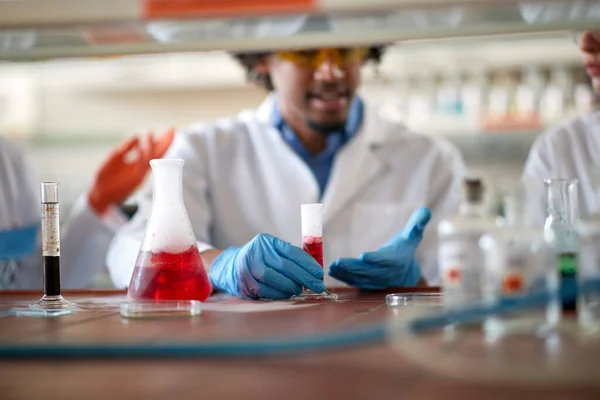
column 425, row 367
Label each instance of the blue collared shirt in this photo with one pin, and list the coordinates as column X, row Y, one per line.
column 322, row 163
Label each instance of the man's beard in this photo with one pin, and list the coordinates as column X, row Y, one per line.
column 326, row 129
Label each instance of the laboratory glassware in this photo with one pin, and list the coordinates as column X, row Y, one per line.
column 52, row 298
column 312, row 243
column 561, row 225
column 459, row 255
column 519, row 261
column 169, row 268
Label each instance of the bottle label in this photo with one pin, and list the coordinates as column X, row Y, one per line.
column 460, row 265
column 567, row 263
column 50, row 230
column 514, row 278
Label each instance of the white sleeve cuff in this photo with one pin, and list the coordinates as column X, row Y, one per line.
column 202, row 247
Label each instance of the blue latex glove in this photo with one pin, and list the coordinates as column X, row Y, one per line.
column 394, row 265
column 266, row 267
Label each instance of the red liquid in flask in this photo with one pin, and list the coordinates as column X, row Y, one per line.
column 314, row 246
column 168, row 276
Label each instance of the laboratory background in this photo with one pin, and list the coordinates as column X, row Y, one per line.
column 490, row 96
column 254, row 289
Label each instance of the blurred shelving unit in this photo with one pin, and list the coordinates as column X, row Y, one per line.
column 44, row 29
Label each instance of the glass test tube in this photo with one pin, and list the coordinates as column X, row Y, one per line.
column 562, row 224
column 52, row 298
column 312, row 231
column 312, row 243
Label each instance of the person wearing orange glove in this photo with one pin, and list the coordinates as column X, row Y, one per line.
column 90, row 225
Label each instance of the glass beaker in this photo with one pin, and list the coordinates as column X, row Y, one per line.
column 519, row 261
column 312, row 243
column 169, row 266
column 562, row 225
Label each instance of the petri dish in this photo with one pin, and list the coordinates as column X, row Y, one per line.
column 37, row 312
column 413, row 300
column 161, row 309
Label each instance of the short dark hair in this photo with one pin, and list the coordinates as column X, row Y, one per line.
column 249, row 61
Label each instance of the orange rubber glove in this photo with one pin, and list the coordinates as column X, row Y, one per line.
column 119, row 177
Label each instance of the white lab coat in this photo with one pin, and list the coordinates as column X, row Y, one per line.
column 84, row 242
column 571, row 150
column 241, row 179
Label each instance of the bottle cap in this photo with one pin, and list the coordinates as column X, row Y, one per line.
column 311, row 217
column 474, row 189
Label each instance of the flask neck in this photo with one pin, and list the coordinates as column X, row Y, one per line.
column 167, row 180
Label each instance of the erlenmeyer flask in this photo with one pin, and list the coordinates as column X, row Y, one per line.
column 169, row 266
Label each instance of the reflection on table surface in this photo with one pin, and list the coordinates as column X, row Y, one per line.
column 461, row 365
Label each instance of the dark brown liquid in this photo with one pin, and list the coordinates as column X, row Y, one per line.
column 51, row 275
column 567, row 263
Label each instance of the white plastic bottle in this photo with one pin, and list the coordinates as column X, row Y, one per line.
column 556, row 98
column 528, row 95
column 459, row 255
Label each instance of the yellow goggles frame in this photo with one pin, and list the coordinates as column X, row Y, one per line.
column 314, row 58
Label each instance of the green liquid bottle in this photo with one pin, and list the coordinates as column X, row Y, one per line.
column 567, row 264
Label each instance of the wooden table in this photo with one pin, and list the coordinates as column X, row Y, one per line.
column 371, row 372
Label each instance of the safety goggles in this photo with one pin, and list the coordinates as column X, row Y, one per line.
column 314, row 58
column 578, row 34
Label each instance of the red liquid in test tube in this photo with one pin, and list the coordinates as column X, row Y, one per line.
column 312, row 243
column 312, row 230
column 314, row 246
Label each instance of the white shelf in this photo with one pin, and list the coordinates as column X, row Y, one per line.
column 36, row 13
column 44, row 29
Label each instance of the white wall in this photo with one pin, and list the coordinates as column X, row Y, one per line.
column 66, row 112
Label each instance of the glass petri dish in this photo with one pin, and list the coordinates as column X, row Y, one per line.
column 38, row 312
column 161, row 309
column 413, row 300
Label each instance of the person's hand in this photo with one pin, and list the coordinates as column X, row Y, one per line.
column 266, row 267
column 119, row 176
column 394, row 265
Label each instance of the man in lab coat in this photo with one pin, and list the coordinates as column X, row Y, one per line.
column 91, row 223
column 571, row 150
column 312, row 140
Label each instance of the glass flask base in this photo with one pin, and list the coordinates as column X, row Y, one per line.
column 309, row 295
column 47, row 306
column 161, row 309
column 589, row 319
column 52, row 303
